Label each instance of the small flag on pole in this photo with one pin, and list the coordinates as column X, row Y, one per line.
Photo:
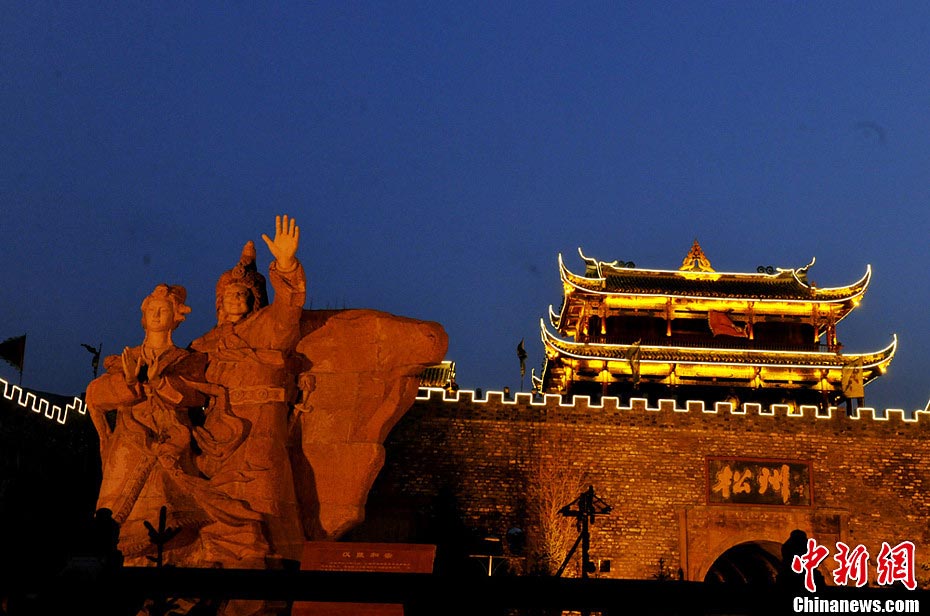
column 721, row 325
column 13, row 351
column 521, row 353
column 852, row 379
column 95, row 362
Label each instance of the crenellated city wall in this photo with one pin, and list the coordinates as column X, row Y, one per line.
column 38, row 404
column 685, row 483
column 608, row 403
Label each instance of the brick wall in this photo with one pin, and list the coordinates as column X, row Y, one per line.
column 482, row 462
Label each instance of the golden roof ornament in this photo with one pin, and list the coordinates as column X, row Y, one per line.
column 696, row 261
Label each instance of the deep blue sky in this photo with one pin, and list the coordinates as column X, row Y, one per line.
column 439, row 156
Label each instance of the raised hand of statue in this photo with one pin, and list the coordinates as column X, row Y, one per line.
column 284, row 245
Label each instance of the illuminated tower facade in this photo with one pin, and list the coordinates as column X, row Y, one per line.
column 766, row 337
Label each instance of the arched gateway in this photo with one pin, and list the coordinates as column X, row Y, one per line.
column 752, row 562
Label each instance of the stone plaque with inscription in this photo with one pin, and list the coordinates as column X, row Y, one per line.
column 367, row 557
column 756, row 481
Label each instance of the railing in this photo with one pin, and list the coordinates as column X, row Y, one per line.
column 714, row 343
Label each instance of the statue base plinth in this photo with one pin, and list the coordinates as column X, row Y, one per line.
column 366, row 557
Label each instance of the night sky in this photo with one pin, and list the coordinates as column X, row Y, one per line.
column 439, row 157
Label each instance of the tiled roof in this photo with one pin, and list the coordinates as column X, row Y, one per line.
column 438, row 375
column 714, row 356
column 782, row 285
column 674, row 284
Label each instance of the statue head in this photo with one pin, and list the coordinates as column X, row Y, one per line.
column 241, row 290
column 164, row 307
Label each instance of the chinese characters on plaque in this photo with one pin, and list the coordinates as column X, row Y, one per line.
column 753, row 481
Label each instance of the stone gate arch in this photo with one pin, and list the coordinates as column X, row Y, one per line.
column 710, row 532
column 750, row 562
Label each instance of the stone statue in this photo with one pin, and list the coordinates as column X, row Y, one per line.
column 249, row 353
column 141, row 408
column 318, row 391
column 267, row 431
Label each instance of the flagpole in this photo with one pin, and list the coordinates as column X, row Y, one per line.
column 23, row 362
column 95, row 351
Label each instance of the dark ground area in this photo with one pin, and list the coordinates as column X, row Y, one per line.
column 49, row 478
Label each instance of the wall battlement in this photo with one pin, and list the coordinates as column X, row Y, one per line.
column 612, row 404
column 687, row 483
column 29, row 400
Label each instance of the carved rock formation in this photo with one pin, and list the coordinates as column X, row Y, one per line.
column 362, row 375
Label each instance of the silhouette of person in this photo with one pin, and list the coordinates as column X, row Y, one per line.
column 105, row 539
column 787, row 579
